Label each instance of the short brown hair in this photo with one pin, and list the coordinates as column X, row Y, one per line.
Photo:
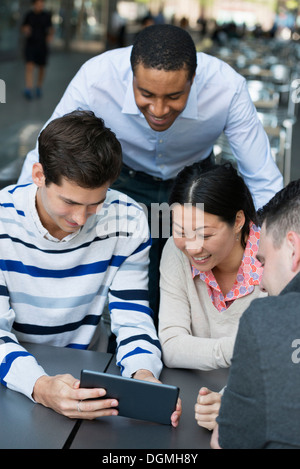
column 79, row 147
column 282, row 213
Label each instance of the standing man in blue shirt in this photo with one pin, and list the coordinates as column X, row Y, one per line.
column 168, row 105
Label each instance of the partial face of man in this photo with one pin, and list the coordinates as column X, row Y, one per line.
column 276, row 262
column 64, row 209
column 161, row 95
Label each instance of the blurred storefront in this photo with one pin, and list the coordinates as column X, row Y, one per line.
column 9, row 27
column 81, row 24
column 96, row 25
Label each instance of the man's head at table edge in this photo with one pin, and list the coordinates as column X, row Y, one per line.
column 279, row 246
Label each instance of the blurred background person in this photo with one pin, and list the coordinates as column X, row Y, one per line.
column 38, row 31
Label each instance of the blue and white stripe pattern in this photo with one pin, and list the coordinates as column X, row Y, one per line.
column 54, row 292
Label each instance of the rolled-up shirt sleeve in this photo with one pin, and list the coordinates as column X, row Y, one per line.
column 250, row 146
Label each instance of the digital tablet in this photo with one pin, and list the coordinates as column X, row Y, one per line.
column 138, row 399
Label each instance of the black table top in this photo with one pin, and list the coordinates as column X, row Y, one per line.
column 26, row 425
column 124, row 433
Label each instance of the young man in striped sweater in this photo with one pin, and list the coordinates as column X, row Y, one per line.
column 68, row 241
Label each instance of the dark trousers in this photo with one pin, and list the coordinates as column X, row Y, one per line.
column 148, row 190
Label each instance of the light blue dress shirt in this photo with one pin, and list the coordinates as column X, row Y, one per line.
column 218, row 101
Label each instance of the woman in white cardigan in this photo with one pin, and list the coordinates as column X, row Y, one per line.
column 209, row 272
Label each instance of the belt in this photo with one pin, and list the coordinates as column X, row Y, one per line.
column 132, row 173
column 205, row 164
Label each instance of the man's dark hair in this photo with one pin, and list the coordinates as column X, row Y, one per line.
column 164, row 47
column 79, row 148
column 222, row 191
column 282, row 213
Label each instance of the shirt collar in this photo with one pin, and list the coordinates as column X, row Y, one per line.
column 130, row 107
column 129, row 104
column 191, row 108
column 292, row 286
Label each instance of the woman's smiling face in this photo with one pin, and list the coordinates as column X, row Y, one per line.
column 204, row 238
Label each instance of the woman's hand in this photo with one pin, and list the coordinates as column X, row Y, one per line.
column 207, row 408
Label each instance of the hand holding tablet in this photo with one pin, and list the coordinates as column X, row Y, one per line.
column 137, row 399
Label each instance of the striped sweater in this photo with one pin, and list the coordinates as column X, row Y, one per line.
column 53, row 292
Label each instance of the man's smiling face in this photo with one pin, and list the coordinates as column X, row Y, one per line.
column 161, row 95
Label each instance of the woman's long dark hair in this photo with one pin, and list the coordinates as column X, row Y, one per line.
column 222, row 191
